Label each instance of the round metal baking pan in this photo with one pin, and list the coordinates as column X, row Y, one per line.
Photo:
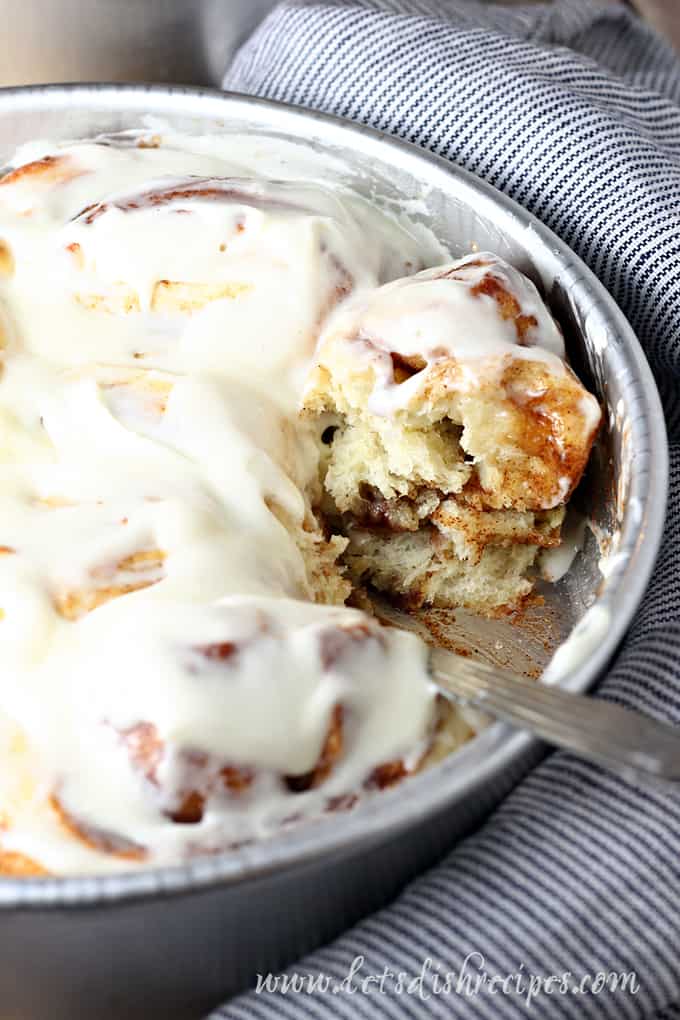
column 172, row 942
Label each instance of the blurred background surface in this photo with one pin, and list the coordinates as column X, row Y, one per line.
column 185, row 41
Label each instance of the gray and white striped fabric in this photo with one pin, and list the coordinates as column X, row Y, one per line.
column 573, row 110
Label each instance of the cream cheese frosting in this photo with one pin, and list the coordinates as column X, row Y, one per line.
column 169, row 683
column 168, row 433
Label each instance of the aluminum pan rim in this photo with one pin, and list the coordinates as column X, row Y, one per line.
column 498, row 747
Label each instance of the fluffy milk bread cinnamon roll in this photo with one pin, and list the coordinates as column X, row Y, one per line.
column 456, row 433
column 178, row 672
column 179, row 675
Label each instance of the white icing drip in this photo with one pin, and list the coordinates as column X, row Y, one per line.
column 555, row 563
column 583, row 642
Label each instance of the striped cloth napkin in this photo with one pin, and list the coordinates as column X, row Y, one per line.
column 573, row 109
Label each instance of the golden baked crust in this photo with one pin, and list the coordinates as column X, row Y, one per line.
column 43, row 173
column 109, row 581
column 16, row 865
column 93, row 837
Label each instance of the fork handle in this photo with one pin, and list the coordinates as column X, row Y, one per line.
column 624, row 741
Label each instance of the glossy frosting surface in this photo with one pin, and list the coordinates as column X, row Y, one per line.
column 160, row 309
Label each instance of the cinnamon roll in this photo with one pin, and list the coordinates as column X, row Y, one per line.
column 456, row 433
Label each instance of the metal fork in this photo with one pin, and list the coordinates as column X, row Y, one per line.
column 624, row 741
